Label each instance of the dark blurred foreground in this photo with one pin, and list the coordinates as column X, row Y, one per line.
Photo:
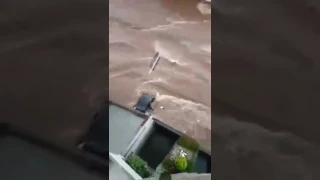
column 53, row 65
column 265, row 70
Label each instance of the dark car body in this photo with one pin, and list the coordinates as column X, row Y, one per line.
column 144, row 103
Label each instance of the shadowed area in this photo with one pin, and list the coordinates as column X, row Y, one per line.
column 53, row 60
column 273, row 70
column 265, row 76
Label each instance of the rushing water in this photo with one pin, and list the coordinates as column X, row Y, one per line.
column 265, row 62
column 264, row 70
column 181, row 82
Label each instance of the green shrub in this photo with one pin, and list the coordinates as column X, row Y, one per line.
column 192, row 145
column 168, row 164
column 138, row 165
column 181, row 163
column 188, row 143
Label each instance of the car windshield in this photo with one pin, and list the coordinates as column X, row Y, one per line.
column 143, row 102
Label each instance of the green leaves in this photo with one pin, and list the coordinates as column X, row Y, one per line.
column 181, row 163
column 138, row 165
column 188, row 143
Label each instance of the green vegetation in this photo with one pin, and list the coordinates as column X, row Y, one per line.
column 188, row 143
column 192, row 145
column 172, row 165
column 181, row 163
column 169, row 164
column 138, row 165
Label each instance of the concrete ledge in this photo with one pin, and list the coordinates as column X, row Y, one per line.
column 190, row 176
column 140, row 137
column 126, row 168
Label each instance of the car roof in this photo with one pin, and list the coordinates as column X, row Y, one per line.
column 144, row 101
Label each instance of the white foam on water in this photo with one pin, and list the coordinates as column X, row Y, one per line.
column 180, row 21
column 146, row 58
column 168, row 54
column 191, row 47
column 160, row 27
column 117, row 74
column 156, row 80
column 204, row 8
column 200, row 111
column 206, row 48
column 184, row 22
column 196, row 47
column 183, row 103
column 173, row 24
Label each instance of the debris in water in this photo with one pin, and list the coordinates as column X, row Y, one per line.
column 154, row 62
column 204, row 7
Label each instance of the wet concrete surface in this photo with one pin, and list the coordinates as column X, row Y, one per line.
column 53, row 66
column 265, row 79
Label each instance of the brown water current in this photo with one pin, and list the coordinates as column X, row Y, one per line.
column 265, row 74
column 182, row 80
column 264, row 79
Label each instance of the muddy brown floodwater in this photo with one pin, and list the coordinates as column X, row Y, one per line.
column 182, row 80
column 265, row 74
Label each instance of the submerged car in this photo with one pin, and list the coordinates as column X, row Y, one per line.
column 143, row 106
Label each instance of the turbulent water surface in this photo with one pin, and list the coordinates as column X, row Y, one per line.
column 264, row 78
column 182, row 80
column 53, row 74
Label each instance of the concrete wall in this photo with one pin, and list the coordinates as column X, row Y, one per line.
column 140, row 137
column 120, row 170
column 123, row 126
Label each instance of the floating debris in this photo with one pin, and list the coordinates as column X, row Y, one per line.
column 154, row 62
